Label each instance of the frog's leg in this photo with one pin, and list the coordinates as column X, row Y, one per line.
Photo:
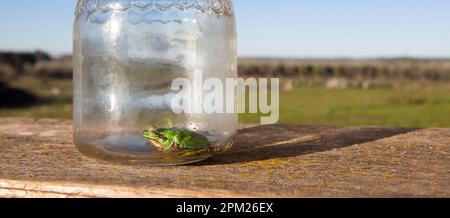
column 178, row 140
column 168, row 144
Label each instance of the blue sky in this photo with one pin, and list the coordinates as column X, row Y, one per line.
column 272, row 28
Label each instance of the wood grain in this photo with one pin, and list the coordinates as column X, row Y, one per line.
column 38, row 159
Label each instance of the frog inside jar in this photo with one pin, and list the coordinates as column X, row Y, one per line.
column 176, row 140
column 127, row 54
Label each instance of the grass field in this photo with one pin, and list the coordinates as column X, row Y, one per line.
column 410, row 106
column 55, row 98
column 406, row 107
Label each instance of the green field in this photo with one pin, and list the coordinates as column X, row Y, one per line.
column 55, row 98
column 412, row 106
column 407, row 107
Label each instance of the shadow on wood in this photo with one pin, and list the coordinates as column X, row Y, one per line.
column 281, row 141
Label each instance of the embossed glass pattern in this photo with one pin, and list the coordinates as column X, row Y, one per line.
column 126, row 55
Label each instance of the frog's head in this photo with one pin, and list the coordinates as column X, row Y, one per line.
column 156, row 137
column 151, row 134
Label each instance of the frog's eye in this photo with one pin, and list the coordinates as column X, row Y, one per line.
column 160, row 135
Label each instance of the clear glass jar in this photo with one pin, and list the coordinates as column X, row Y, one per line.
column 127, row 53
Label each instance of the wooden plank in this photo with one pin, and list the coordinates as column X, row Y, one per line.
column 38, row 159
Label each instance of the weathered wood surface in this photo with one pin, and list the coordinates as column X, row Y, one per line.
column 38, row 159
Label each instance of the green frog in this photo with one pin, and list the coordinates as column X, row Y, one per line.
column 176, row 139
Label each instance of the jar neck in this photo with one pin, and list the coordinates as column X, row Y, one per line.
column 218, row 7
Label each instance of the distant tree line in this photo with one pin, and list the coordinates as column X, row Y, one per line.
column 37, row 63
column 42, row 65
column 351, row 69
column 18, row 61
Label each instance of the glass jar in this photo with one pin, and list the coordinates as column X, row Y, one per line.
column 127, row 55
